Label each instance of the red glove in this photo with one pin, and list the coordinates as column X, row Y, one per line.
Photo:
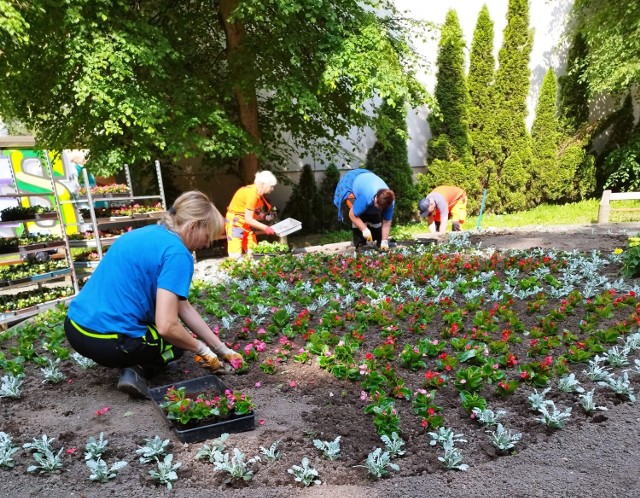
column 269, row 231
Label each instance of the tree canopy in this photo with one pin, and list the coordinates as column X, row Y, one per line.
column 227, row 80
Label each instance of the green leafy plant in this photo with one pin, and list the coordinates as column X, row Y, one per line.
column 379, row 463
column 153, row 449
column 504, row 439
column 236, row 466
column 329, row 449
column 166, row 473
column 46, row 460
column 265, row 247
column 7, row 450
column 631, row 258
column 95, row 448
column 394, row 444
column 271, row 453
column 304, row 473
column 101, row 472
column 208, row 451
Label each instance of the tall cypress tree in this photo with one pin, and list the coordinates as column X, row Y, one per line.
column 511, row 88
column 304, row 203
column 388, row 158
column 549, row 182
column 480, row 81
column 574, row 89
column 329, row 219
column 450, row 129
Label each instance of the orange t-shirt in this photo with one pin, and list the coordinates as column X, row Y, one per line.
column 245, row 198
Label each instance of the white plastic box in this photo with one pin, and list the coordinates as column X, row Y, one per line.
column 285, row 227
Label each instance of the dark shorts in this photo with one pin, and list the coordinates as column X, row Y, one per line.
column 118, row 350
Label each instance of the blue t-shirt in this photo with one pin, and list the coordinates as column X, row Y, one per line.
column 120, row 296
column 365, row 187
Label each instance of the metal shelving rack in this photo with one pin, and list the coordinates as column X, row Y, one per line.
column 9, row 286
column 99, row 243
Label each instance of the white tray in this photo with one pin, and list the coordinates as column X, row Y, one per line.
column 285, row 227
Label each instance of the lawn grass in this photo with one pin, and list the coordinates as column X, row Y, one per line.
column 575, row 213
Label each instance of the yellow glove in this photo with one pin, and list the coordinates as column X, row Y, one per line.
column 207, row 358
column 366, row 233
column 234, row 359
column 384, row 245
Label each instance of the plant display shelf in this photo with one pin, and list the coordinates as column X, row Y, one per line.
column 39, row 278
column 24, row 313
column 97, row 223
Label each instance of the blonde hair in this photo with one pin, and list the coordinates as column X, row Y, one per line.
column 193, row 207
column 266, row 178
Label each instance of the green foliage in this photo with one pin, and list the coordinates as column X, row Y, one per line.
column 548, row 181
column 512, row 161
column 450, row 127
column 329, row 219
column 574, row 90
column 482, row 125
column 620, row 130
column 573, row 155
column 388, row 159
column 305, row 203
column 612, row 35
column 136, row 82
column 626, row 163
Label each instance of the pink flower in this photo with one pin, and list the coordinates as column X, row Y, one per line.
column 102, row 411
column 258, row 384
column 293, row 383
column 363, row 395
column 248, row 348
column 236, row 363
column 71, row 451
column 261, row 421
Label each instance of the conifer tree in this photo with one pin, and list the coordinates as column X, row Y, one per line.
column 388, row 158
column 574, row 90
column 480, row 82
column 329, row 219
column 511, row 88
column 450, row 128
column 549, row 181
column 304, row 203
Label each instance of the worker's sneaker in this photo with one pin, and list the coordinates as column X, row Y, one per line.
column 133, row 383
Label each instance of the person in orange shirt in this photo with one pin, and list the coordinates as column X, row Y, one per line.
column 444, row 203
column 243, row 213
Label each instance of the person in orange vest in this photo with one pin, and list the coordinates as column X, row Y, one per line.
column 246, row 208
column 444, row 203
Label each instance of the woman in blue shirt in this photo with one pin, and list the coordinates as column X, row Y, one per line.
column 129, row 313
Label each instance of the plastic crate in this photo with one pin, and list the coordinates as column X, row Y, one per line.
column 196, row 434
column 285, row 227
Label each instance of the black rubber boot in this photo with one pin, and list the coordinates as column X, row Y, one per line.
column 133, row 383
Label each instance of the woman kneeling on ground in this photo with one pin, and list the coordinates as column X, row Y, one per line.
column 129, row 313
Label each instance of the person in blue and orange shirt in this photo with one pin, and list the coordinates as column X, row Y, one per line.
column 444, row 203
column 247, row 206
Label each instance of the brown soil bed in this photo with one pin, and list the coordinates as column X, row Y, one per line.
column 592, row 456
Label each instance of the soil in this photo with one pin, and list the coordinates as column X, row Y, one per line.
column 592, row 456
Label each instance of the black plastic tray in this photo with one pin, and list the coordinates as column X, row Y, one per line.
column 194, row 435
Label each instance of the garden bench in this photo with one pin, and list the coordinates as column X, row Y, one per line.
column 604, row 209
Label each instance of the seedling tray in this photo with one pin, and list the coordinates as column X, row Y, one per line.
column 285, row 227
column 209, row 383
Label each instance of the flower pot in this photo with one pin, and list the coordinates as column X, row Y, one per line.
column 207, row 430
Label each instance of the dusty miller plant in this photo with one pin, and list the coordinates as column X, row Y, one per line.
column 504, row 439
column 569, row 384
column 486, row 417
column 537, row 400
column 82, row 361
column 304, row 474
column 11, row 386
column 596, row 372
column 452, row 458
column 235, row 466
column 445, row 435
column 46, row 460
column 394, row 444
column 379, row 463
column 101, row 472
column 588, row 404
column 329, row 449
column 94, row 448
column 7, row 450
column 52, row 373
column 166, row 473
column 207, row 452
column 620, row 385
column 152, row 450
column 556, row 419
column 271, row 453
column 632, row 342
column 616, row 356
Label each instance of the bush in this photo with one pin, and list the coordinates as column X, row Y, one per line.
column 305, row 204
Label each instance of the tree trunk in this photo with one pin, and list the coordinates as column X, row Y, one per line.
column 245, row 95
